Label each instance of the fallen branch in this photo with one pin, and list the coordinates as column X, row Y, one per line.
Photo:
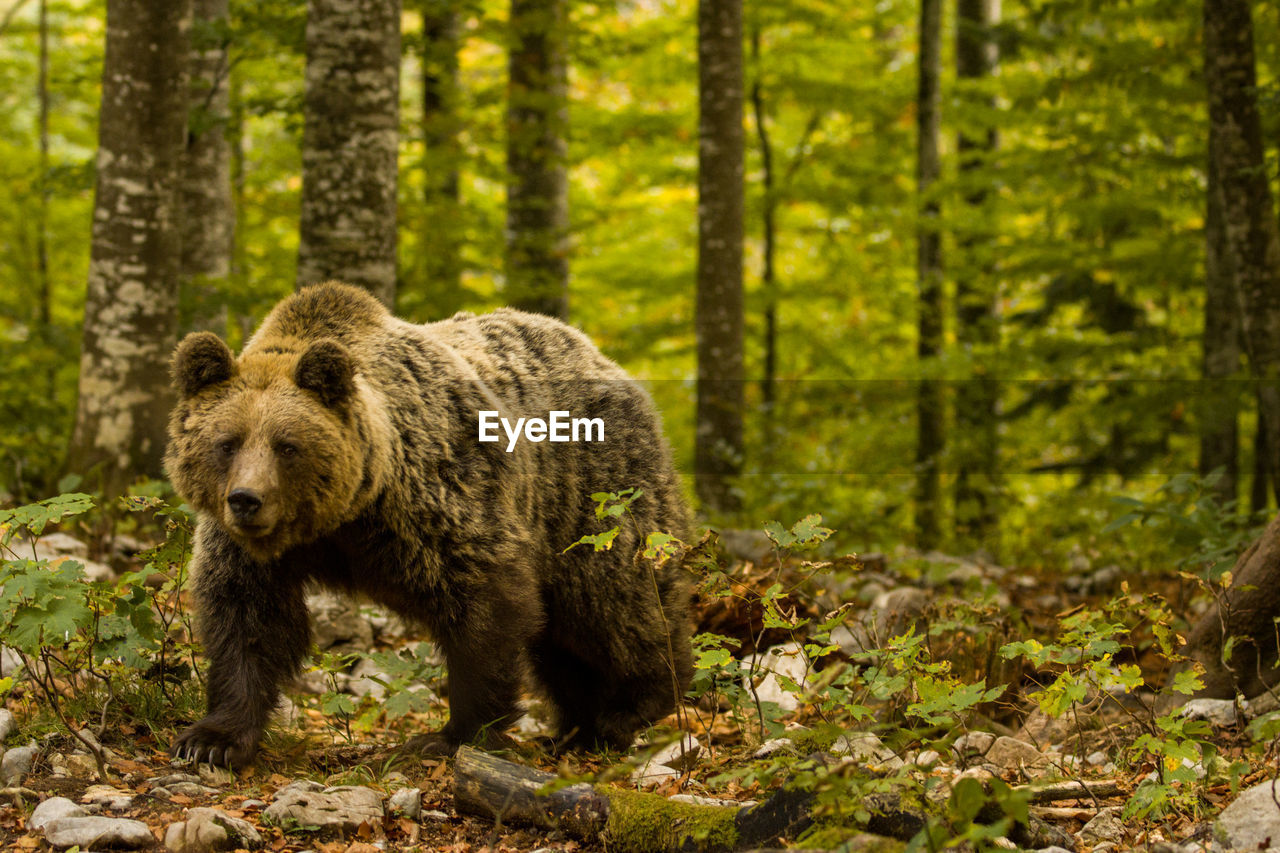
column 1056, row 791
column 502, row 791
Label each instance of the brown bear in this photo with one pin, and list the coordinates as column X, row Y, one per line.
column 343, row 447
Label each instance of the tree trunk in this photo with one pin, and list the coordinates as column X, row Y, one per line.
column 718, row 443
column 537, row 247
column 442, row 227
column 349, row 142
column 130, row 324
column 1219, row 403
column 977, row 325
column 208, row 215
column 768, row 230
column 1252, row 235
column 930, row 412
column 1245, row 612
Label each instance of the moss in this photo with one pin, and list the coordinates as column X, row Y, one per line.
column 848, row 840
column 808, row 741
column 645, row 823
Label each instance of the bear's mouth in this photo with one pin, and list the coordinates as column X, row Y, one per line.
column 253, row 531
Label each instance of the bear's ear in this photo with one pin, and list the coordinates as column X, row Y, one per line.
column 326, row 368
column 201, row 360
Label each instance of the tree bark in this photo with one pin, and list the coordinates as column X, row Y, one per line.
column 130, row 324
column 537, row 238
column 1252, row 240
column 718, row 443
column 768, row 230
column 1246, row 611
column 930, row 411
column 442, row 227
column 208, row 214
column 1219, row 403
column 349, row 144
column 977, row 324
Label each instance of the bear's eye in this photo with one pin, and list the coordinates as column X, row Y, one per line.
column 286, row 450
column 227, row 448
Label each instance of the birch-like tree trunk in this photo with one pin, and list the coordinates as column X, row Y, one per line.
column 443, row 226
column 349, row 145
column 977, row 325
column 208, row 214
column 930, row 411
column 718, row 443
column 130, row 324
column 1252, row 241
column 537, row 238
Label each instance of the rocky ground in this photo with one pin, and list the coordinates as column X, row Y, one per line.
column 313, row 790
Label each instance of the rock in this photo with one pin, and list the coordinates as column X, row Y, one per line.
column 1053, row 849
column 1040, row 728
column 974, row 743
column 1252, row 821
column 344, row 807
column 368, row 680
column 174, row 778
column 60, row 544
column 17, row 763
column 681, row 755
column 10, row 663
column 1105, row 826
column 1011, row 753
column 1262, row 704
column 105, row 795
column 217, row 777
column 652, row 774
column 787, row 659
column 53, row 809
column 190, row 789
column 1097, row 758
column 79, row 764
column 337, row 619
column 6, row 724
column 435, row 814
column 927, row 758
column 91, row 832
column 770, row 747
column 210, row 831
column 1219, row 712
column 407, row 801
column 866, row 748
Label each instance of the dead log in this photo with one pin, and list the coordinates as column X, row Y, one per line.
column 501, row 791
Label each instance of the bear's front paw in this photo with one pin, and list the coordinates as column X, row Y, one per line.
column 206, row 741
column 429, row 745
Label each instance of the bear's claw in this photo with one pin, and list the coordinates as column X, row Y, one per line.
column 202, row 743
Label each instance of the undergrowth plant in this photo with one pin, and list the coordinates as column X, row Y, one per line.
column 92, row 644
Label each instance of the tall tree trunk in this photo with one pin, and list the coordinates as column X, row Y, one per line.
column 130, row 323
column 718, row 442
column 977, row 325
column 537, row 247
column 930, row 412
column 349, row 144
column 208, row 214
column 442, row 228
column 768, row 229
column 1219, row 403
column 1252, row 235
column 42, row 227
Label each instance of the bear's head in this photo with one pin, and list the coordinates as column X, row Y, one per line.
column 277, row 446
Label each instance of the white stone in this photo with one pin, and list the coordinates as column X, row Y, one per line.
column 770, row 747
column 681, row 754
column 210, row 831
column 343, row 807
column 974, row 742
column 1219, row 712
column 90, row 832
column 17, row 763
column 1012, row 753
column 6, row 723
column 1105, row 826
column 787, row 659
column 651, row 775
column 105, row 795
column 407, row 801
column 52, row 809
column 1252, row 821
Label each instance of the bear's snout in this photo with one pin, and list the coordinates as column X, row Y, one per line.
column 244, row 504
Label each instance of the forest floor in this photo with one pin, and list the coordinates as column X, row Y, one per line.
column 1108, row 738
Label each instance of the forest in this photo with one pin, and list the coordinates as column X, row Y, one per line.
column 963, row 324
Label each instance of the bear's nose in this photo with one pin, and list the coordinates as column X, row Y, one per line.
column 244, row 503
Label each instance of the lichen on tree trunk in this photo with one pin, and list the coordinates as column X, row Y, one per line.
column 131, row 302
column 349, row 145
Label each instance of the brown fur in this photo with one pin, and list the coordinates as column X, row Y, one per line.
column 341, row 448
